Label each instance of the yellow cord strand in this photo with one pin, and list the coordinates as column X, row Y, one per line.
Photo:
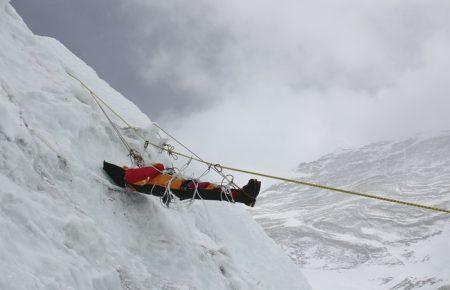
column 254, row 173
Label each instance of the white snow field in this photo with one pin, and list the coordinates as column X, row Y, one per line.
column 64, row 226
column 344, row 242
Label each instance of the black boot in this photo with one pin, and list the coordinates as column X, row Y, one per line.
column 249, row 192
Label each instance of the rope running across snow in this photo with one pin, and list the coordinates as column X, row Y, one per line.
column 219, row 168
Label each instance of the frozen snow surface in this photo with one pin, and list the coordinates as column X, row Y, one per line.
column 346, row 242
column 64, row 226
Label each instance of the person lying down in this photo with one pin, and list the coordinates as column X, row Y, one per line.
column 155, row 179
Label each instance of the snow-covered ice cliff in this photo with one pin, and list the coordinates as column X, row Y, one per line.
column 63, row 226
column 346, row 242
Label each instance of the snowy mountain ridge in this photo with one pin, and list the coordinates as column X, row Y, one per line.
column 363, row 243
column 63, row 226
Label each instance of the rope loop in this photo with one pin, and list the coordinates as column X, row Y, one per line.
column 168, row 196
column 218, row 168
column 170, row 149
column 196, row 182
column 227, row 179
column 225, row 185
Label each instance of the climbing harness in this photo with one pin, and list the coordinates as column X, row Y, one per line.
column 228, row 180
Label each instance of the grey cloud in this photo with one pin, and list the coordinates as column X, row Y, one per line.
column 144, row 49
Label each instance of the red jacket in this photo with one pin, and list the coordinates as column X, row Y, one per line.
column 137, row 175
column 153, row 175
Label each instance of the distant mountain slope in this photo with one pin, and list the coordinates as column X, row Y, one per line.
column 361, row 241
column 64, row 226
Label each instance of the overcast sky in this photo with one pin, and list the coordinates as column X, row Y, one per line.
column 266, row 84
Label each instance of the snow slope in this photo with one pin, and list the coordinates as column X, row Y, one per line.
column 345, row 242
column 63, row 226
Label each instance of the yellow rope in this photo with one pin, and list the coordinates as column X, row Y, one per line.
column 215, row 165
column 316, row 185
column 100, row 99
column 134, row 155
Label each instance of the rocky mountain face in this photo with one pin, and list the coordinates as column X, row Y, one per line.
column 348, row 242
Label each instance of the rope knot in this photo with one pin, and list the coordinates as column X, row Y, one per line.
column 170, row 149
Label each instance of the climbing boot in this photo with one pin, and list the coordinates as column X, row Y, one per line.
column 249, row 192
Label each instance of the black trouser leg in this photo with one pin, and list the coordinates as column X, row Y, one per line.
column 206, row 194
